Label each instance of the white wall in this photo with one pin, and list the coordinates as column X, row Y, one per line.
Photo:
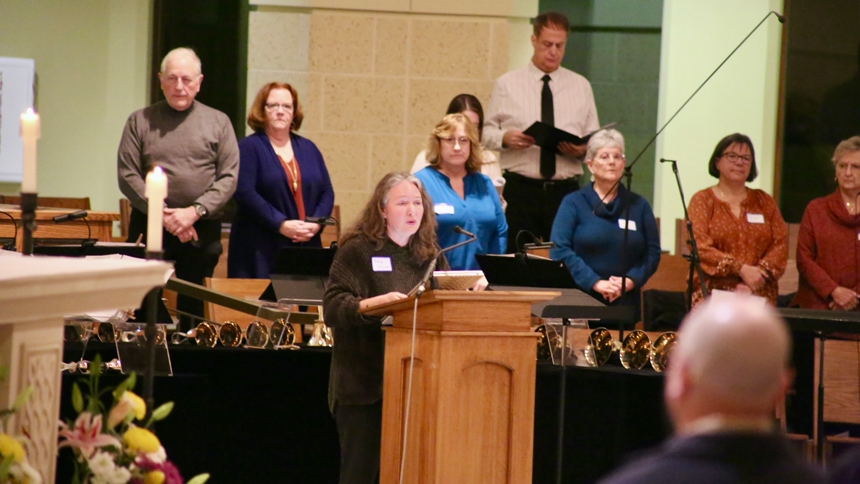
column 92, row 65
column 741, row 97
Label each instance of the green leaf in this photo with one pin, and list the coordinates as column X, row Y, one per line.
column 77, row 398
column 5, row 466
column 96, row 367
column 199, row 479
column 22, row 398
column 162, row 411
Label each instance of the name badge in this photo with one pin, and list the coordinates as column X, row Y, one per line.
column 381, row 264
column 631, row 224
column 443, row 209
column 755, row 218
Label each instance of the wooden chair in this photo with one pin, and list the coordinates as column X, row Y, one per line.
column 124, row 217
column 251, row 288
column 54, row 202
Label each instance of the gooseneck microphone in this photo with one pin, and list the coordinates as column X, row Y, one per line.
column 66, row 217
column 419, row 288
column 79, row 215
column 462, row 231
column 664, row 160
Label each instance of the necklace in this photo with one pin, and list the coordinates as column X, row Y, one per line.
column 851, row 209
column 294, row 172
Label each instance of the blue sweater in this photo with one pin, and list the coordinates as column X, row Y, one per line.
column 480, row 213
column 264, row 201
column 590, row 240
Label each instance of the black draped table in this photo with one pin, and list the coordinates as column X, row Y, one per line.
column 262, row 416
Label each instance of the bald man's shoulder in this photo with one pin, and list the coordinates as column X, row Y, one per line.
column 723, row 458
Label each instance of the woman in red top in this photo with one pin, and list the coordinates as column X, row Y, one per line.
column 740, row 233
column 828, row 245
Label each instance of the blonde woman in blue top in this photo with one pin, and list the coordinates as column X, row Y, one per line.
column 461, row 195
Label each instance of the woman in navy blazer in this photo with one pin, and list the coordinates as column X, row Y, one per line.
column 282, row 181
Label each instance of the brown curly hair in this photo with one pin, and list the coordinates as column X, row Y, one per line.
column 257, row 113
column 446, row 128
column 371, row 223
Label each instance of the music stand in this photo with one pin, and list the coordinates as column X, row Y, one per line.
column 524, row 273
column 299, row 274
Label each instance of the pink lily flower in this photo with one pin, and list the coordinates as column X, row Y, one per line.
column 87, row 435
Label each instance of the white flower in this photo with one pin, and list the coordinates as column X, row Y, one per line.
column 105, row 470
column 159, row 456
column 101, row 463
column 24, row 472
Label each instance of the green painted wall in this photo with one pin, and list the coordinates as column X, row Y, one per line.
column 615, row 44
column 92, row 59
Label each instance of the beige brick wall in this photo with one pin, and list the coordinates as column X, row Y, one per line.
column 374, row 83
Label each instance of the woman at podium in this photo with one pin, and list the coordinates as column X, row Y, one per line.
column 380, row 259
column 282, row 180
column 588, row 230
column 461, row 194
column 829, row 229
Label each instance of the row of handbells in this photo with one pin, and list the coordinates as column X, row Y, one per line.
column 634, row 352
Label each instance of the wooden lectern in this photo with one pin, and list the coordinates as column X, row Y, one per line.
column 471, row 416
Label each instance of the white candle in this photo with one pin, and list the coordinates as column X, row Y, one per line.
column 156, row 192
column 30, row 132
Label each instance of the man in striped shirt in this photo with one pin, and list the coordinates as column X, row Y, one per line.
column 538, row 178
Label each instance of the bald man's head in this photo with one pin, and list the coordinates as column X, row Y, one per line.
column 731, row 359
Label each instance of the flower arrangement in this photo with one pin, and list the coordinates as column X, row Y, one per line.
column 117, row 449
column 14, row 468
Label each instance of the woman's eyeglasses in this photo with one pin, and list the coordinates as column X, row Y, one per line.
column 453, row 141
column 734, row 157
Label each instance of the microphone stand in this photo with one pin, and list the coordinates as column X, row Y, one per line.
column 695, row 262
column 628, row 174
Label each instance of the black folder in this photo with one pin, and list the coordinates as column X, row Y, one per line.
column 547, row 136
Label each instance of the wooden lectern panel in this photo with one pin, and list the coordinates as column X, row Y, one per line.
column 471, row 407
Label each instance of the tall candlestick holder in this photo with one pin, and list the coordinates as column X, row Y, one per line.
column 29, row 201
column 151, row 335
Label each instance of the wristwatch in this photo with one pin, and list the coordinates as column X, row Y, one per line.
column 201, row 210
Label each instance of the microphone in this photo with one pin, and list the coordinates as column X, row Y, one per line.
column 80, row 214
column 664, row 160
column 70, row 216
column 419, row 288
column 779, row 17
column 462, row 231
column 321, row 220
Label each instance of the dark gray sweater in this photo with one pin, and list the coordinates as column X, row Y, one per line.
column 196, row 148
column 359, row 343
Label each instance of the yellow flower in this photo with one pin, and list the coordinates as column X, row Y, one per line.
column 10, row 446
column 138, row 404
column 140, row 440
column 154, row 477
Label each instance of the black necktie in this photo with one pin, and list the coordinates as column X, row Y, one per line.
column 547, row 115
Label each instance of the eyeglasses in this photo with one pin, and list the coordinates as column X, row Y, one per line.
column 453, row 141
column 607, row 157
column 733, row 157
column 275, row 106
